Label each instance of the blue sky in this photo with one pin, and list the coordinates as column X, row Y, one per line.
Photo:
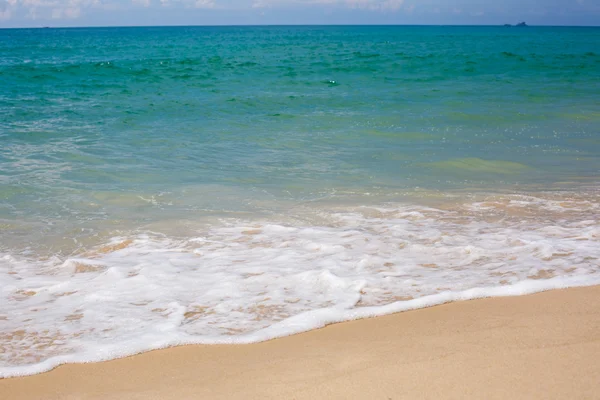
column 32, row 13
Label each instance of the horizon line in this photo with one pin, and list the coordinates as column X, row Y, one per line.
column 295, row 25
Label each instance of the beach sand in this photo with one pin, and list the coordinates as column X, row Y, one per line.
column 541, row 346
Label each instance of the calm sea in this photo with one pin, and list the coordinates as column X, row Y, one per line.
column 161, row 186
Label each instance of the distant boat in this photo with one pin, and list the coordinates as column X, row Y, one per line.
column 520, row 24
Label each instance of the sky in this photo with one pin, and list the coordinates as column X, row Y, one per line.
column 37, row 13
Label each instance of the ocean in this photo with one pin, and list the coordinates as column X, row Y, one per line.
column 172, row 185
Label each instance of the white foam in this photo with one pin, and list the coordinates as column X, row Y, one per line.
column 246, row 281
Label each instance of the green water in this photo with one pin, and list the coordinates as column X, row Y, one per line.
column 101, row 124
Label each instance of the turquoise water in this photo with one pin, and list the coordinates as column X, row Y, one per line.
column 128, row 141
column 295, row 111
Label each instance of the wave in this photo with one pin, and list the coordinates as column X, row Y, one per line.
column 243, row 281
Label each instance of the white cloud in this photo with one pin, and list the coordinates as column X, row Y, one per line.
column 392, row 4
column 204, row 4
column 15, row 10
column 54, row 9
column 376, row 5
column 207, row 4
column 66, row 13
column 5, row 13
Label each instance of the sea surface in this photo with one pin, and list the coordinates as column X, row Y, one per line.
column 172, row 185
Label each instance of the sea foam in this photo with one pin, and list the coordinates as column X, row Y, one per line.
column 243, row 281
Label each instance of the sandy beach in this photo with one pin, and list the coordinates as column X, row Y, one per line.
column 166, row 183
column 545, row 345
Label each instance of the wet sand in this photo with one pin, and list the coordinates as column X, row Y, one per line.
column 541, row 346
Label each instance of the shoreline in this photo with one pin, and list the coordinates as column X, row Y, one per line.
column 323, row 318
column 234, row 283
column 542, row 345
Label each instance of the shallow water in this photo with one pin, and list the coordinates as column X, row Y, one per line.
column 161, row 186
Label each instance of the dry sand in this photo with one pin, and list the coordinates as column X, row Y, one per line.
column 542, row 346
